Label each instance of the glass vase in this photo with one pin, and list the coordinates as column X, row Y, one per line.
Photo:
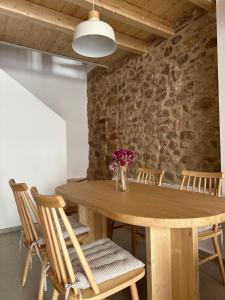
column 121, row 179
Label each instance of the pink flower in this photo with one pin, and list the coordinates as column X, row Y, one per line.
column 122, row 158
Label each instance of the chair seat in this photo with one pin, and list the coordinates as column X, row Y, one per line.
column 204, row 228
column 77, row 227
column 107, row 261
column 108, row 288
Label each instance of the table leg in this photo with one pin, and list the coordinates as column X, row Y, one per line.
column 158, row 264
column 96, row 222
column 172, row 264
column 185, row 267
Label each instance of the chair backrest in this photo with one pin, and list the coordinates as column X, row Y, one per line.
column 62, row 273
column 26, row 208
column 203, row 182
column 150, row 176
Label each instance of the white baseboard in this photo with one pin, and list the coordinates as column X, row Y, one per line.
column 10, row 229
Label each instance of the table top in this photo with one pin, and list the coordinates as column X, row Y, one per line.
column 146, row 205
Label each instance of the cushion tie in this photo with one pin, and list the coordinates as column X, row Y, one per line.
column 47, row 266
column 69, row 286
column 21, row 240
column 34, row 246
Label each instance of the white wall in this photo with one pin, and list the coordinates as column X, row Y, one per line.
column 32, row 145
column 220, row 11
column 221, row 76
column 62, row 85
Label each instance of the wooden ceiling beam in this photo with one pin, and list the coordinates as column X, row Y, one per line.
column 50, row 18
column 38, row 14
column 129, row 14
column 205, row 4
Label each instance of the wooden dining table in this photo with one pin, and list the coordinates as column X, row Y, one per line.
column 171, row 218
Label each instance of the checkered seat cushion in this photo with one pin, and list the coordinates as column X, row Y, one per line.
column 204, row 228
column 107, row 261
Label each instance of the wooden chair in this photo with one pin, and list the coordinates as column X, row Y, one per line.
column 31, row 236
column 145, row 176
column 208, row 183
column 70, row 271
column 70, row 207
column 150, row 176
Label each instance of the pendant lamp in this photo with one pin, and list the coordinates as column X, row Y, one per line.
column 94, row 38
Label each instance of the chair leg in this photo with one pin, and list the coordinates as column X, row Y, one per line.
column 55, row 295
column 133, row 239
column 110, row 228
column 134, row 292
column 220, row 260
column 110, row 225
column 26, row 268
column 42, row 280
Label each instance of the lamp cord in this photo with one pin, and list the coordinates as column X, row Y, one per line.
column 93, row 4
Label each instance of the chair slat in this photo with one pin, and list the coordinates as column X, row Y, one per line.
column 182, row 183
column 26, row 219
column 194, row 181
column 23, row 219
column 146, row 177
column 150, row 178
column 205, row 181
column 60, row 270
column 215, row 186
column 220, row 188
column 49, row 247
column 50, row 243
column 160, row 179
column 139, row 176
column 199, row 184
column 210, row 186
column 30, row 223
column 188, row 183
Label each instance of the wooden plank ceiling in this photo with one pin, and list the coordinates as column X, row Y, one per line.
column 48, row 25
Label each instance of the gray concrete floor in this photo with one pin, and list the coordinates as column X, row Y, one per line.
column 12, row 261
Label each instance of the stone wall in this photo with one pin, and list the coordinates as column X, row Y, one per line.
column 163, row 105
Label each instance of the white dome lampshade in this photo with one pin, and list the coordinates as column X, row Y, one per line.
column 94, row 38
